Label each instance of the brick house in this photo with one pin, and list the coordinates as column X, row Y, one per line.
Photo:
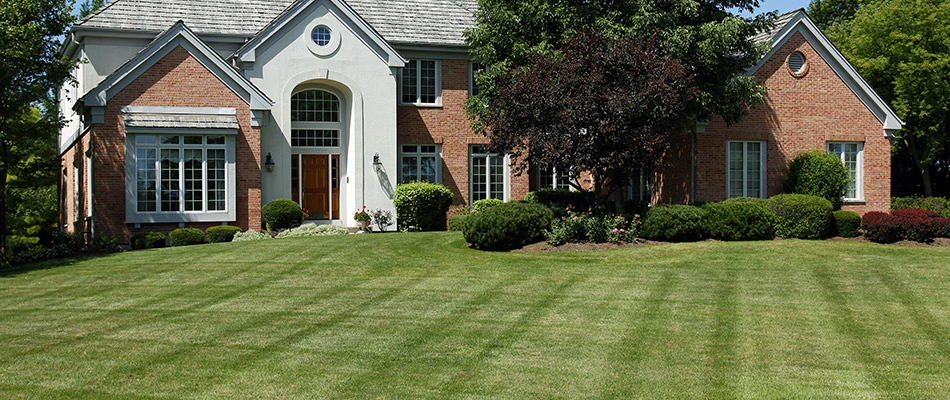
column 197, row 115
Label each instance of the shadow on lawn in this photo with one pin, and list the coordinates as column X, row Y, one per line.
column 14, row 270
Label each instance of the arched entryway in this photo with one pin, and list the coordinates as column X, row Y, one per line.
column 317, row 140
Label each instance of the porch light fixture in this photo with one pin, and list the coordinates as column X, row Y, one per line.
column 376, row 163
column 269, row 163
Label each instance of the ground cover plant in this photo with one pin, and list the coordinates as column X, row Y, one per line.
column 410, row 315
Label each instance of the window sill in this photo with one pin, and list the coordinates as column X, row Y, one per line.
column 854, row 202
column 136, row 218
column 421, row 105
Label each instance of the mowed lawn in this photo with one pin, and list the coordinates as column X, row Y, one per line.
column 422, row 316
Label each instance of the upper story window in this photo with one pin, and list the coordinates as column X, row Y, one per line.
column 420, row 83
column 315, row 119
column 552, row 178
column 473, row 67
column 320, row 35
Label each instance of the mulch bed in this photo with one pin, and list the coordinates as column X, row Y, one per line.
column 542, row 247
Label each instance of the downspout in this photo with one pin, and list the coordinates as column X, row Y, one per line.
column 363, row 147
column 89, row 179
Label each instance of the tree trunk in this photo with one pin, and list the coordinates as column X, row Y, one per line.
column 924, row 168
column 925, row 174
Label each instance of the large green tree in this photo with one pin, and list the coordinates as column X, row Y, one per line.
column 902, row 48
column 713, row 45
column 31, row 67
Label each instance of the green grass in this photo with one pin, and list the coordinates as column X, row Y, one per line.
column 422, row 316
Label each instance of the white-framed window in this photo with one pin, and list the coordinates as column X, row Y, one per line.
column 315, row 119
column 852, row 156
column 488, row 175
column 745, row 172
column 180, row 178
column 472, row 68
column 641, row 185
column 552, row 178
column 421, row 83
column 419, row 163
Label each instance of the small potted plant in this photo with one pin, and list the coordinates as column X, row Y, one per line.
column 363, row 218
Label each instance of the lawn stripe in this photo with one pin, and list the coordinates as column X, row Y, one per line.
column 722, row 347
column 925, row 321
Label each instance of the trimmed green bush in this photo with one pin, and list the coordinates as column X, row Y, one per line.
column 847, row 223
column 508, row 226
column 221, row 233
column 281, row 214
column 801, row 216
column 147, row 240
column 938, row 205
column 250, row 235
column 818, row 173
column 740, row 220
column 459, row 222
column 421, row 206
column 484, row 204
column 675, row 223
column 186, row 237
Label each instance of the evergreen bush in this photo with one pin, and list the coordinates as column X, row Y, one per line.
column 847, row 223
column 801, row 216
column 675, row 223
column 186, row 237
column 740, row 220
column 459, row 222
column 147, row 240
column 484, row 204
column 508, row 226
column 421, row 206
column 221, row 233
column 938, row 205
column 281, row 214
column 818, row 173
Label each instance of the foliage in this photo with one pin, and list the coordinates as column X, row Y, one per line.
column 938, row 205
column 363, row 215
column 818, row 173
column 830, row 14
column 559, row 200
column 31, row 67
column 484, row 204
column 847, row 223
column 584, row 227
column 281, row 214
column 186, row 237
column 507, row 226
column 902, row 49
column 421, row 206
column 90, row 6
column 250, row 235
column 740, row 220
column 675, row 223
column 104, row 244
column 917, row 225
column 458, row 223
column 602, row 104
column 221, row 233
column 312, row 230
column 382, row 218
column 147, row 240
column 801, row 216
column 942, row 227
column 881, row 227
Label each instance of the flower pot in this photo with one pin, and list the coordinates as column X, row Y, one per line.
column 362, row 224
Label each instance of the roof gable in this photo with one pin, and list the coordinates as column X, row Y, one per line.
column 798, row 22
column 177, row 36
column 338, row 8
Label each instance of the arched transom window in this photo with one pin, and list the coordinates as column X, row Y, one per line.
column 315, row 119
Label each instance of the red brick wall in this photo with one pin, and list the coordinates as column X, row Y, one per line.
column 72, row 158
column 800, row 114
column 447, row 125
column 179, row 80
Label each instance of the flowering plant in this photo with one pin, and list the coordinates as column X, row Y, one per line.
column 306, row 212
column 363, row 215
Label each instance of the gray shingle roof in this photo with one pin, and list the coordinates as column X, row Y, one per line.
column 438, row 22
column 780, row 22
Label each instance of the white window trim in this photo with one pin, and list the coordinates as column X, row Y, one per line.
column 471, row 172
column 552, row 184
column 762, row 176
column 438, row 85
column 325, row 125
column 437, row 154
column 859, row 174
column 471, row 77
column 229, row 214
column 641, row 187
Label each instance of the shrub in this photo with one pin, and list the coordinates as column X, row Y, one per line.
column 250, row 235
column 186, row 237
column 559, row 200
column 818, row 173
column 281, row 214
column 881, row 227
column 484, row 204
column 382, row 218
column 63, row 244
column 847, row 223
column 507, row 226
column 221, row 233
column 147, row 240
column 675, row 223
column 312, row 230
column 942, row 227
column 459, row 222
column 421, row 206
column 916, row 224
column 579, row 228
column 740, row 220
column 938, row 205
column 801, row 216
column 104, row 244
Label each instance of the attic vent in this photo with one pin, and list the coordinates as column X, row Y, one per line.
column 797, row 64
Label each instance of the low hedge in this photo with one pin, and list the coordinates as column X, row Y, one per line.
column 916, row 224
column 847, row 223
column 801, row 216
column 281, row 214
column 421, row 206
column 675, row 223
column 484, row 204
column 186, row 237
column 507, row 226
column 938, row 205
column 881, row 227
column 740, row 220
column 147, row 240
column 459, row 222
column 221, row 233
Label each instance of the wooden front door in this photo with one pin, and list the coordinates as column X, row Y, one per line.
column 320, row 185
